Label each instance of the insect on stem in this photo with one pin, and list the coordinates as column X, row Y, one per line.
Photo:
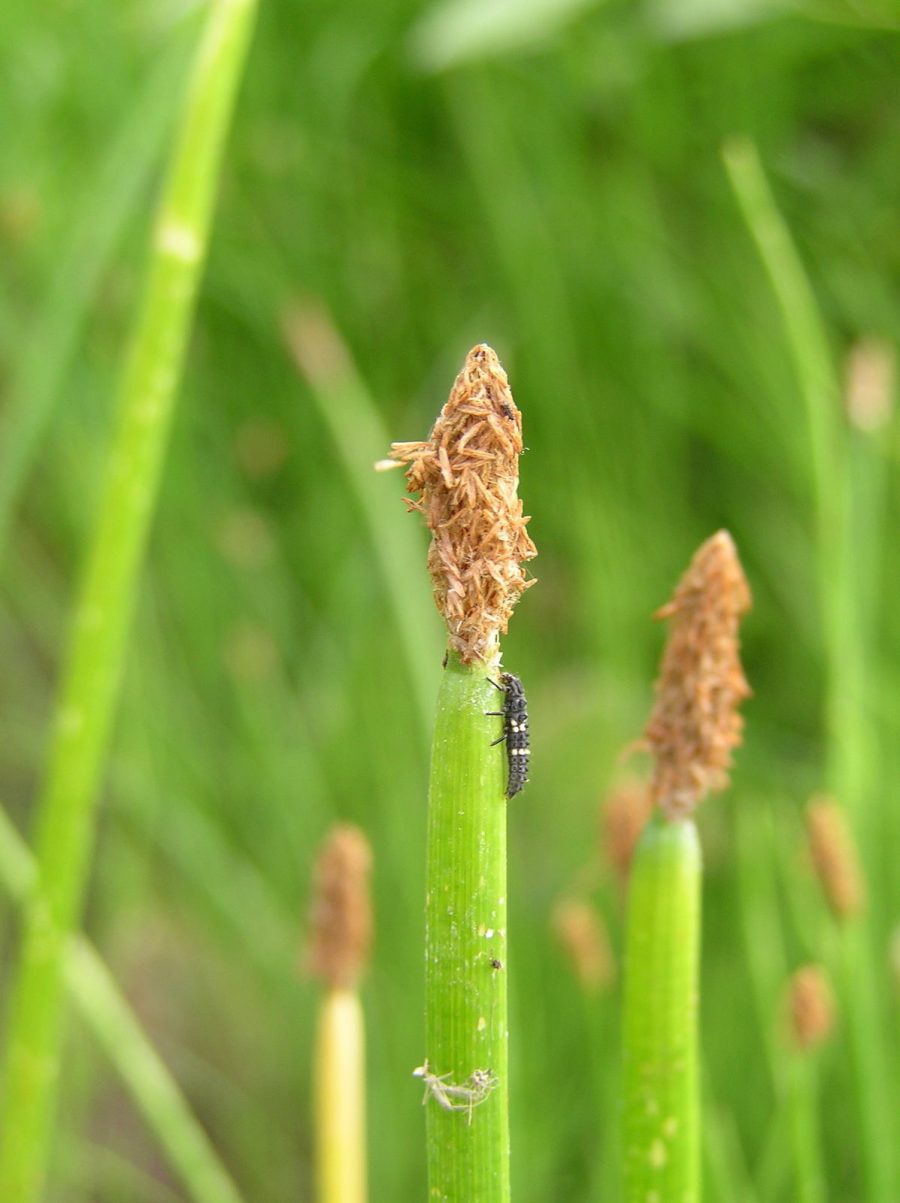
column 456, row 1097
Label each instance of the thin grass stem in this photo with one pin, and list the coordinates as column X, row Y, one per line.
column 340, row 1113
column 94, row 660
column 117, row 1029
column 842, row 617
column 661, row 1090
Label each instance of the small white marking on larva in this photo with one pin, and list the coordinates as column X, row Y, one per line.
column 489, row 934
column 669, row 1127
column 658, row 1154
column 482, row 1024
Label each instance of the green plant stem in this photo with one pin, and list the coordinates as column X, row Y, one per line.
column 340, row 1110
column 662, row 958
column 465, row 916
column 115, row 1026
column 809, row 1181
column 96, row 228
column 842, row 606
column 66, row 810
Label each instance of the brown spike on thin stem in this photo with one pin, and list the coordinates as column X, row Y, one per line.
column 467, row 475
column 834, row 857
column 341, row 916
column 695, row 722
column 810, row 1007
column 623, row 816
column 584, row 939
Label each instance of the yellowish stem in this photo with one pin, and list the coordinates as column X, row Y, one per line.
column 340, row 1099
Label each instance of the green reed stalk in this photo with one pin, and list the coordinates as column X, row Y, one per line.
column 115, row 1026
column 340, row 1099
column 691, row 733
column 66, row 810
column 803, row 1117
column 842, row 616
column 467, row 475
column 465, row 944
column 662, row 961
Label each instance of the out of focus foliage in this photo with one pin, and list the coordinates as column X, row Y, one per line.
column 409, row 181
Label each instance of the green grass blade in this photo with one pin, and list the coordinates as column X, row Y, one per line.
column 661, row 1093
column 97, row 229
column 106, row 598
column 842, row 621
column 115, row 1026
column 465, row 917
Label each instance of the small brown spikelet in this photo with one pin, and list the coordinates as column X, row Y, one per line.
column 623, row 817
column 467, row 475
column 341, row 914
column 582, row 934
column 695, row 722
column 834, row 857
column 810, row 1007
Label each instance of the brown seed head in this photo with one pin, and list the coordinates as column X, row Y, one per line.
column 810, row 1007
column 467, row 475
column 695, row 721
column 623, row 817
column 870, row 383
column 341, row 916
column 834, row 857
column 585, row 941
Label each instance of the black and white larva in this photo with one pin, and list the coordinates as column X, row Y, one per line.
column 515, row 732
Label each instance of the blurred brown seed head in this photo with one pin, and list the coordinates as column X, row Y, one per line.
column 467, row 476
column 894, row 959
column 695, row 722
column 341, row 914
column 244, row 538
column 623, row 816
column 584, row 939
column 834, row 857
column 810, row 1007
column 261, row 447
column 870, row 383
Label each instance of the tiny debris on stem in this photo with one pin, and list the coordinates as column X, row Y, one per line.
column 467, row 478
column 452, row 1097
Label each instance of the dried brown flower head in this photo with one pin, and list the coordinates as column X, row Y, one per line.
column 467, row 475
column 870, row 383
column 341, row 914
column 810, row 1007
column 695, row 722
column 623, row 817
column 834, row 857
column 585, row 941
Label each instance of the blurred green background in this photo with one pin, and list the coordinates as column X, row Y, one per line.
column 403, row 181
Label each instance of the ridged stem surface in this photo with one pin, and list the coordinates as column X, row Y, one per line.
column 465, row 970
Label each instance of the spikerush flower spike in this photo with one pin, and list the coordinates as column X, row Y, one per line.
column 695, row 723
column 467, row 477
column 692, row 733
column 465, row 480
column 340, row 935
